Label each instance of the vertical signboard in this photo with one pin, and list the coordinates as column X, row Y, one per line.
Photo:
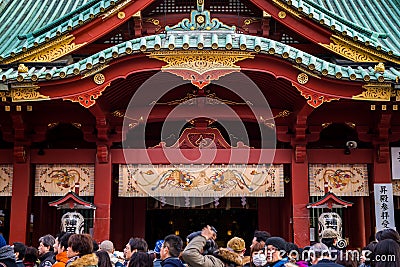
column 384, row 210
column 395, row 153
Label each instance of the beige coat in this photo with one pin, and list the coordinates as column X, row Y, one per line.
column 193, row 256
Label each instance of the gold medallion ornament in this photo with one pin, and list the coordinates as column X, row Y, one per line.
column 121, row 15
column 282, row 14
column 99, row 78
column 302, row 78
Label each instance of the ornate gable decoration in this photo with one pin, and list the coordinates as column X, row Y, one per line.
column 200, row 20
column 198, row 66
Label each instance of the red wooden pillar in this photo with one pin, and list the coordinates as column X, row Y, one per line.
column 300, row 199
column 361, row 240
column 21, row 192
column 102, row 197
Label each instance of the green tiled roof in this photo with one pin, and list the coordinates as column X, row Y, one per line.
column 207, row 40
column 29, row 23
column 373, row 22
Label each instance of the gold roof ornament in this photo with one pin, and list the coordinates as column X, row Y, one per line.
column 380, row 67
column 22, row 68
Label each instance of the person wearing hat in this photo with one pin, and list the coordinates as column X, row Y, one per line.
column 275, row 250
column 157, row 249
column 108, row 247
column 231, row 256
column 329, row 237
column 7, row 257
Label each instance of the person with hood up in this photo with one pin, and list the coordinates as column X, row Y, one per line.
column 7, row 257
column 223, row 257
column 170, row 250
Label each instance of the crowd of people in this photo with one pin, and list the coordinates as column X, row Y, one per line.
column 201, row 250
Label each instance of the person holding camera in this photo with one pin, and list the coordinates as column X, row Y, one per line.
column 231, row 256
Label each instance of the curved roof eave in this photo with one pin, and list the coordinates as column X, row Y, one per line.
column 37, row 26
column 348, row 19
column 183, row 40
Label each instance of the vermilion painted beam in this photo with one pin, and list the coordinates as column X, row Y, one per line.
column 281, row 68
column 125, row 66
column 118, row 69
column 303, row 26
column 222, row 156
column 99, row 27
column 60, row 156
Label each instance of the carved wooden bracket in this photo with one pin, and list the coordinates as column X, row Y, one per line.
column 19, row 154
column 102, row 128
column 300, row 153
column 87, row 99
column 383, row 153
column 102, row 153
column 314, row 99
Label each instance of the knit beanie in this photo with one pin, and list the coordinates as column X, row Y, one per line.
column 277, row 242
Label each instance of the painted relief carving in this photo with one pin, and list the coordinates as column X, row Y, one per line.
column 342, row 180
column 201, row 181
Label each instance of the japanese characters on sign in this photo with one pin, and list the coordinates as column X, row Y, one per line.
column 384, row 210
column 395, row 163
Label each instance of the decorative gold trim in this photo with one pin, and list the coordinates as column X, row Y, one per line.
column 288, row 9
column 26, row 92
column 201, row 61
column 379, row 68
column 211, row 99
column 22, row 68
column 155, row 22
column 302, row 78
column 375, row 92
column 118, row 113
column 356, row 52
column 115, row 9
column 94, row 71
column 201, row 67
column 99, row 78
column 47, row 52
column 282, row 14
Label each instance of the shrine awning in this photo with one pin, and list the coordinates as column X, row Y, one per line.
column 72, row 201
column 330, row 201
